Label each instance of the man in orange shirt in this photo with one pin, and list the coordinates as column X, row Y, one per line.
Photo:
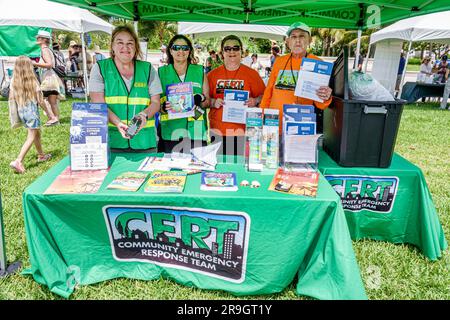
column 232, row 75
column 284, row 75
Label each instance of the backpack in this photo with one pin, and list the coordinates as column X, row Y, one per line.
column 60, row 64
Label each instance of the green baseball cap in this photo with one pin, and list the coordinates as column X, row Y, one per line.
column 300, row 26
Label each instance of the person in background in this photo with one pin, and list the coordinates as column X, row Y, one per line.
column 425, row 70
column 73, row 56
column 213, row 61
column 275, row 54
column 98, row 55
column 447, row 87
column 89, row 60
column 401, row 67
column 247, row 59
column 163, row 59
column 199, row 58
column 256, row 65
column 236, row 76
column 181, row 135
column 24, row 97
column 131, row 88
column 442, row 69
column 51, row 85
column 284, row 75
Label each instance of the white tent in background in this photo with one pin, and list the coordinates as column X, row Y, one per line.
column 210, row 30
column 431, row 27
column 434, row 27
column 42, row 13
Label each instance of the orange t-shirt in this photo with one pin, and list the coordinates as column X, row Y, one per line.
column 219, row 79
column 276, row 96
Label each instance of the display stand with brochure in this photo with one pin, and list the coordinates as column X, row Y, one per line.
column 270, row 138
column 89, row 136
column 312, row 75
column 234, row 107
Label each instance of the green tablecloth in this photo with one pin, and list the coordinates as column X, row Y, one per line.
column 252, row 241
column 390, row 204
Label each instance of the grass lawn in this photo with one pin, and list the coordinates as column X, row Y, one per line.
column 413, row 67
column 424, row 139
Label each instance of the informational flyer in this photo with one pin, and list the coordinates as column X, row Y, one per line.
column 89, row 136
column 181, row 98
column 312, row 75
column 234, row 107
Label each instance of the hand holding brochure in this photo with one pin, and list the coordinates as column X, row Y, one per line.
column 234, row 107
column 312, row 75
column 180, row 96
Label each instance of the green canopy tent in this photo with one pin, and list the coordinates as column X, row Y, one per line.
column 339, row 14
column 10, row 47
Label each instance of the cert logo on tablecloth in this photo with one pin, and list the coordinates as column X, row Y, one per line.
column 209, row 242
column 369, row 193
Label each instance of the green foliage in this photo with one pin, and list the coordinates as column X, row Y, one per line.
column 415, row 61
column 404, row 272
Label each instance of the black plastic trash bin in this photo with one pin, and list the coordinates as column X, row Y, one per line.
column 359, row 133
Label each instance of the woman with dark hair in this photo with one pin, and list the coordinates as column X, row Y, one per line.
column 131, row 88
column 236, row 76
column 182, row 134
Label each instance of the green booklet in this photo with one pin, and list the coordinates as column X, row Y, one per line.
column 128, row 181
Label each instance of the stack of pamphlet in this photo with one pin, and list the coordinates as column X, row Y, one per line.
column 89, row 136
column 253, row 139
column 312, row 75
column 70, row 181
column 299, row 134
column 215, row 181
column 202, row 159
column 234, row 107
column 165, row 182
column 303, row 182
column 128, row 181
column 270, row 138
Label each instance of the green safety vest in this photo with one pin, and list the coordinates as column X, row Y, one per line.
column 184, row 127
column 126, row 104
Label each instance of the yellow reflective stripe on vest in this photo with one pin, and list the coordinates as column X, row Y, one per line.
column 165, row 117
column 149, row 124
column 140, row 101
column 125, row 100
column 116, row 100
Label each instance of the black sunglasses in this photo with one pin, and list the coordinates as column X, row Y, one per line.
column 177, row 47
column 234, row 48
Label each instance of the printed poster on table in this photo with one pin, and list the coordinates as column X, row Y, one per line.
column 180, row 96
column 209, row 242
column 89, row 136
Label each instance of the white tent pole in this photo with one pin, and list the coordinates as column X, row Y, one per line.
column 404, row 70
column 136, row 28
column 358, row 47
column 367, row 57
column 85, row 75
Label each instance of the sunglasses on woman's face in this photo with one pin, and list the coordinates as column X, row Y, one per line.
column 177, row 47
column 229, row 48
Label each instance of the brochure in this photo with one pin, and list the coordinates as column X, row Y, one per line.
column 234, row 107
column 128, row 181
column 253, row 139
column 180, row 96
column 303, row 183
column 69, row 181
column 301, row 148
column 214, row 181
column 89, row 136
column 312, row 75
column 270, row 138
column 165, row 181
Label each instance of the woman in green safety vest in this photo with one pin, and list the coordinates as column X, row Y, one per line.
column 131, row 88
column 182, row 134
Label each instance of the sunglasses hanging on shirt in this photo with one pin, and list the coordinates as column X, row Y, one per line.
column 177, row 47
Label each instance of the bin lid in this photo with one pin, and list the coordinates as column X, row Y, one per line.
column 339, row 75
